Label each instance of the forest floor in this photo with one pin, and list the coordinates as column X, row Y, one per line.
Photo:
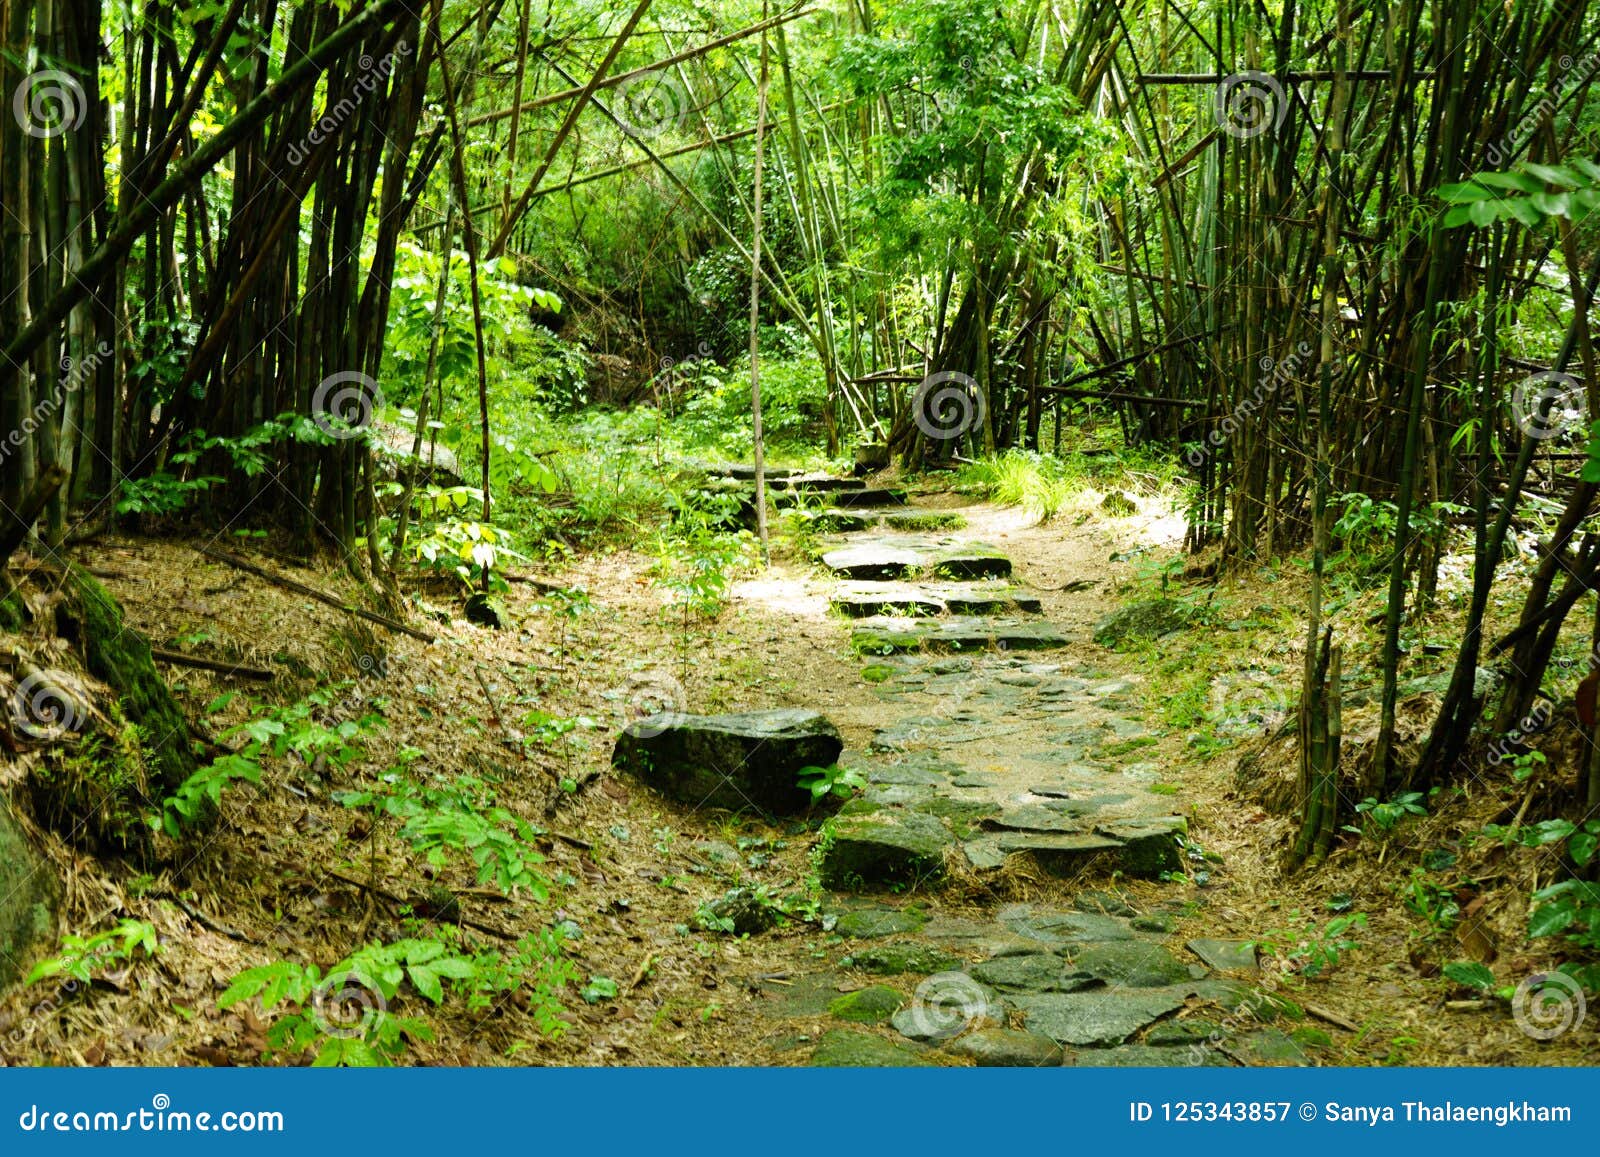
column 1015, row 947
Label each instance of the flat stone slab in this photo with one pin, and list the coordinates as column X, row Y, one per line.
column 1006, row 1048
column 867, row 561
column 738, row 762
column 816, row 483
column 1030, row 972
column 1129, row 964
column 970, row 563
column 868, row 599
column 961, row 633
column 1225, row 955
column 1099, row 1017
column 745, row 472
column 1150, row 846
column 845, row 1048
column 884, row 848
column 1057, row 927
column 869, row 496
column 1059, row 853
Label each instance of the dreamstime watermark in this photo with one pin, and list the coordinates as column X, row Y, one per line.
column 1549, row 404
column 1275, row 373
column 1250, row 701
column 947, row 1004
column 49, row 103
column 1548, row 1005
column 650, row 104
column 373, row 75
column 343, row 403
column 1250, row 103
column 652, row 702
column 348, row 1005
column 948, row 404
column 45, row 711
column 1577, row 74
column 77, row 371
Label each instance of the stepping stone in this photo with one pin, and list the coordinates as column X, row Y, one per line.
column 1098, row 1017
column 1225, row 955
column 866, row 599
column 1106, row 903
column 747, row 473
column 868, row 561
column 1059, row 853
column 738, row 762
column 1006, row 1048
column 859, row 601
column 817, row 485
column 1038, row 818
column 1033, row 972
column 895, row 959
column 946, row 1004
column 1150, row 846
column 1058, row 927
column 965, row 633
column 868, row 1005
column 832, row 521
column 1129, row 964
column 869, row 496
column 970, row 563
column 882, row 849
column 844, row 1048
column 877, row 920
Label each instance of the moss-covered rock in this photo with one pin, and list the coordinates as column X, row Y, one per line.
column 96, row 792
column 29, row 895
column 887, row 848
column 894, row 959
column 119, row 655
column 868, row 1005
column 845, row 1048
column 1147, row 620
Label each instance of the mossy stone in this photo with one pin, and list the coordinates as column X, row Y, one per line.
column 868, row 1005
column 894, row 959
column 845, row 1048
column 29, row 896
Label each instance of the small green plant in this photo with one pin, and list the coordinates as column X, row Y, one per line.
column 1383, row 818
column 83, row 956
column 600, row 988
column 460, row 817
column 1309, row 949
column 836, row 781
column 199, row 796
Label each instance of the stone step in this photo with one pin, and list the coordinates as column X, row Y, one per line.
column 869, row 599
column 887, row 635
column 894, row 558
column 869, row 496
column 817, row 484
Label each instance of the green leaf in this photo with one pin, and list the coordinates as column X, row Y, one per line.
column 1470, row 974
column 1549, row 920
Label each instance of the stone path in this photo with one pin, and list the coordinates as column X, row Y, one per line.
column 985, row 761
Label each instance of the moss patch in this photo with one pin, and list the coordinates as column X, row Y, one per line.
column 868, row 1005
column 96, row 793
column 120, row 656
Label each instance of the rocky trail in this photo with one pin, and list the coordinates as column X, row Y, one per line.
column 998, row 885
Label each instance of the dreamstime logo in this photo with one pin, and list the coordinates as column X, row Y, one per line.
column 343, row 403
column 77, row 371
column 373, row 75
column 49, row 103
column 1275, row 374
column 652, row 702
column 947, row 1003
column 650, row 104
column 1578, row 73
column 1549, row 404
column 1249, row 104
column 1547, row 1005
column 348, row 1005
column 1249, row 701
column 44, row 711
column 948, row 404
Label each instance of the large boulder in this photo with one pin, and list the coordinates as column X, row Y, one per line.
column 737, row 762
column 29, row 894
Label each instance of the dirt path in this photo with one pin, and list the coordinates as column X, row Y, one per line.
column 996, row 892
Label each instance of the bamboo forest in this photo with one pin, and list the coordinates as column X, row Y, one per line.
column 768, row 534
